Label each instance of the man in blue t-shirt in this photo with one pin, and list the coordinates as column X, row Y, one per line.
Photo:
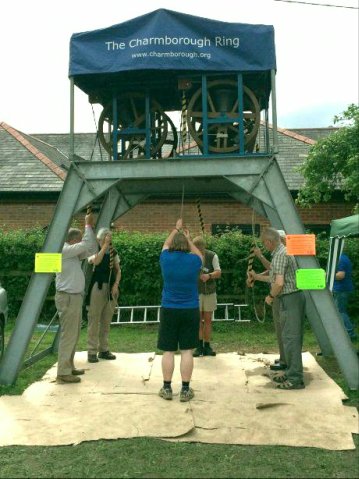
column 342, row 289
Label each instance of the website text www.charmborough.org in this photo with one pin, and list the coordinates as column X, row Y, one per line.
column 189, row 55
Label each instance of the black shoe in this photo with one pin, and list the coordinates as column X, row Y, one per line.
column 92, row 358
column 106, row 355
column 208, row 351
column 198, row 352
column 278, row 367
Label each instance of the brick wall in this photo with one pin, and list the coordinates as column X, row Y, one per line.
column 152, row 216
column 25, row 215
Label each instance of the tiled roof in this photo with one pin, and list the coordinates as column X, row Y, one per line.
column 27, row 164
column 38, row 162
column 315, row 133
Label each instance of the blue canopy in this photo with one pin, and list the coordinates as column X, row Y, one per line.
column 170, row 41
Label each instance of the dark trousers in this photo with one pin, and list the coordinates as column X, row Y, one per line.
column 291, row 314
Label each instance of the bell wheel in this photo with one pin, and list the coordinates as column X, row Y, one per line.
column 222, row 102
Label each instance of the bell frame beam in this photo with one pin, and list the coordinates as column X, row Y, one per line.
column 257, row 180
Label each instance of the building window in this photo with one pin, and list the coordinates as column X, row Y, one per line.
column 246, row 229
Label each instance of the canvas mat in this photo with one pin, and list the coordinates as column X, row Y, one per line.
column 235, row 403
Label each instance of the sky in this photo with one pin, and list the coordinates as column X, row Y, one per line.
column 316, row 50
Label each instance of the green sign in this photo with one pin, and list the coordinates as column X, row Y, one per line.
column 310, row 278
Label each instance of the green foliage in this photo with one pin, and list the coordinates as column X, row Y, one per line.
column 141, row 276
column 333, row 163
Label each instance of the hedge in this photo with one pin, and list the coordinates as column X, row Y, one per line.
column 141, row 278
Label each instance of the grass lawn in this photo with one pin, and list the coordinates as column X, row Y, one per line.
column 154, row 458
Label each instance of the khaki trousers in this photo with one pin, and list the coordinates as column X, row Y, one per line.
column 69, row 307
column 99, row 319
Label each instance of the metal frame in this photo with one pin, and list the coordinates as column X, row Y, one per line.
column 207, row 121
column 252, row 179
column 256, row 181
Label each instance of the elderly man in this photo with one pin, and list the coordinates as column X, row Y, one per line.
column 280, row 363
column 70, row 286
column 291, row 308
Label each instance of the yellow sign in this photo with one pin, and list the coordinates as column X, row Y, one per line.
column 301, row 245
column 48, row 262
column 310, row 278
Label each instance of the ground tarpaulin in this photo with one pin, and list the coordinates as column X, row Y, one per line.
column 235, row 403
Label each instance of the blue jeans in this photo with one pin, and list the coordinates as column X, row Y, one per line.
column 341, row 299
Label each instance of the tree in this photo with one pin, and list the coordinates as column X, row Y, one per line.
column 333, row 163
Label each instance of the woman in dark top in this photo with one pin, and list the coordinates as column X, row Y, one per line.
column 180, row 262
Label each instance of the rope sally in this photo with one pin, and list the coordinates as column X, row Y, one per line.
column 183, row 125
column 250, row 263
column 200, row 217
column 250, row 284
column 198, row 203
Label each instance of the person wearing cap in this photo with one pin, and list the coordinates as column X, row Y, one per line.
column 291, row 308
column 280, row 363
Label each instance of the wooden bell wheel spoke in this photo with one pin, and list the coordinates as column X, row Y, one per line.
column 131, row 117
column 222, row 102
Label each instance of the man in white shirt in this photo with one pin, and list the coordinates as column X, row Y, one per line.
column 70, row 286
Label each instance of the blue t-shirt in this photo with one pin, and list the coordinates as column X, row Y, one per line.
column 180, row 273
column 346, row 284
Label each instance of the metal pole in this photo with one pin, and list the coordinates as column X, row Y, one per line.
column 205, row 115
column 39, row 283
column 72, row 119
column 274, row 113
column 240, row 113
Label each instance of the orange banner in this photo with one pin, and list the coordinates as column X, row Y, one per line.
column 300, row 245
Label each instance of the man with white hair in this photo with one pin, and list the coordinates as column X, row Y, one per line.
column 103, row 294
column 280, row 363
column 291, row 308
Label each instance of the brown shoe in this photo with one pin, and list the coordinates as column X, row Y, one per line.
column 67, row 378
column 78, row 372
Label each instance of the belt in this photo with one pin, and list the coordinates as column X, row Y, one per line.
column 293, row 292
column 66, row 292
